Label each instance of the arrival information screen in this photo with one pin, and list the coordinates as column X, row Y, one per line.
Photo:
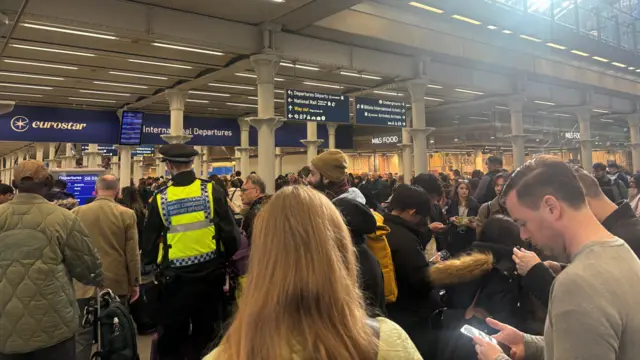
column 131, row 128
column 81, row 186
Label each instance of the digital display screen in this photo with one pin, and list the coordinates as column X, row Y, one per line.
column 82, row 186
column 107, row 150
column 131, row 128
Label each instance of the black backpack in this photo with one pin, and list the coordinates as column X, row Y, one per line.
column 114, row 344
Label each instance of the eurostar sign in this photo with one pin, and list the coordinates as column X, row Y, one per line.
column 22, row 124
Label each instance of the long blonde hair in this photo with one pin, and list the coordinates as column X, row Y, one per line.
column 302, row 295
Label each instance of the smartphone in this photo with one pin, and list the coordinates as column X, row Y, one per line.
column 473, row 332
column 444, row 255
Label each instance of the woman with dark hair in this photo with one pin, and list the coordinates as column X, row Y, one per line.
column 220, row 183
column 131, row 199
column 482, row 283
column 462, row 213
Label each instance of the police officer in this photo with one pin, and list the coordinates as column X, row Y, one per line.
column 189, row 234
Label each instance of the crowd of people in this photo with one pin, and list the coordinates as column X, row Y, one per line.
column 541, row 262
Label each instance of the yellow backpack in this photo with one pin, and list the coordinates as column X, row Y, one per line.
column 379, row 246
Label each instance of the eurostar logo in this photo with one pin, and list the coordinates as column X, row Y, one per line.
column 20, row 124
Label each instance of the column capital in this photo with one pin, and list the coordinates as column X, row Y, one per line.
column 634, row 119
column 280, row 156
column 583, row 113
column 405, row 146
column 244, row 124
column 634, row 146
column 176, row 139
column 309, row 143
column 421, row 131
column 516, row 103
column 332, row 126
column 271, row 122
column 265, row 66
column 241, row 149
column 176, row 98
column 417, row 88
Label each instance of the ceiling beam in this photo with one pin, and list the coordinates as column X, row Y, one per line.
column 313, row 12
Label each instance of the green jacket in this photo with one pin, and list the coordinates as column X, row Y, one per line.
column 42, row 246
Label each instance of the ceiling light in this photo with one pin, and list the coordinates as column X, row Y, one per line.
column 246, row 75
column 69, row 31
column 557, row 46
column 619, row 64
column 435, row 86
column 425, row 7
column 279, row 91
column 469, row 91
column 30, row 76
column 579, row 53
column 491, row 27
column 97, row 100
column 51, row 50
column 478, row 118
column 103, row 92
column 232, row 86
column 466, row 19
column 41, row 64
column 530, row 38
column 245, row 105
column 188, row 49
column 600, row 59
column 297, row 66
column 600, row 111
column 119, row 84
column 323, row 85
column 507, row 31
column 631, row 68
column 27, row 86
column 159, row 63
column 543, row 102
column 138, row 75
column 502, row 107
column 198, row 101
column 565, row 115
column 432, row 99
column 347, row 73
column 388, row 93
column 493, row 137
column 370, row 77
column 207, row 93
column 278, row 100
column 606, row 120
column 637, row 70
column 17, row 94
column 542, row 112
column 252, row 97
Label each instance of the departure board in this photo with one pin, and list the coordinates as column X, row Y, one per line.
column 82, row 186
column 131, row 128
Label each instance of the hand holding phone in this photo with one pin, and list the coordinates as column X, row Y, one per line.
column 472, row 332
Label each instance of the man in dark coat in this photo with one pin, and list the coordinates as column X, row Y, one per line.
column 485, row 191
column 329, row 175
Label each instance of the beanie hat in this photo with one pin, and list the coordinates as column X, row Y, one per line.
column 331, row 164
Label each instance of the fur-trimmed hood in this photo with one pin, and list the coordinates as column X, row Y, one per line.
column 461, row 269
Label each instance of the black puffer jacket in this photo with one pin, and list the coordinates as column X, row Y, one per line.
column 361, row 222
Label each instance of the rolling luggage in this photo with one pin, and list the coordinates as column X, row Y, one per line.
column 143, row 310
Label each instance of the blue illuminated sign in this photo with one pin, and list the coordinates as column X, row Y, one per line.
column 106, row 150
column 131, row 128
column 314, row 106
column 380, row 112
column 81, row 186
column 145, row 150
column 204, row 131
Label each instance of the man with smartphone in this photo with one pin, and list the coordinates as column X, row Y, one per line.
column 592, row 312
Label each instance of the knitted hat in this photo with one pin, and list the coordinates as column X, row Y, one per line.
column 31, row 170
column 331, row 164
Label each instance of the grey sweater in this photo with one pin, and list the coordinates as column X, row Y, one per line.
column 593, row 312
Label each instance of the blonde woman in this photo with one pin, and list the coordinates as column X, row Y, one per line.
column 301, row 300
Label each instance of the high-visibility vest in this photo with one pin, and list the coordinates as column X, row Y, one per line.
column 187, row 212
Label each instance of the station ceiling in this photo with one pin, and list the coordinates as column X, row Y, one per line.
column 105, row 55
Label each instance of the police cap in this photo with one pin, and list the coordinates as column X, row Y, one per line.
column 178, row 153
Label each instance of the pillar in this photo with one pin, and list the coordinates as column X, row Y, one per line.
column 205, row 162
column 197, row 162
column 68, row 160
column 177, row 99
column 243, row 152
column 125, row 166
column 265, row 66
column 586, row 143
column 92, row 156
column 312, row 141
column 115, row 166
column 40, row 152
column 477, row 159
column 331, row 129
column 517, row 131
column 10, row 167
column 419, row 130
column 634, row 132
column 161, row 167
column 406, row 147
column 52, row 156
column 279, row 156
column 137, row 168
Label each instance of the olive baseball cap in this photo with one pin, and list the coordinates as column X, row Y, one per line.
column 30, row 170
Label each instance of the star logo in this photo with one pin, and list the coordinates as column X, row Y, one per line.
column 20, row 124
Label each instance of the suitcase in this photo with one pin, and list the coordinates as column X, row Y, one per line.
column 143, row 310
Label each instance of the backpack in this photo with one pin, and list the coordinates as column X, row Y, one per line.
column 379, row 246
column 115, row 345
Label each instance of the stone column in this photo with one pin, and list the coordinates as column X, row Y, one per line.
column 93, row 156
column 406, row 147
column 265, row 66
column 312, row 141
column 125, row 166
column 586, row 143
column 10, row 168
column 68, row 160
column 52, row 156
column 517, row 131
column 243, row 152
column 137, row 168
column 331, row 129
column 279, row 156
column 161, row 167
column 419, row 130
column 176, row 99
column 40, row 152
column 477, row 158
column 634, row 132
column 197, row 162
column 205, row 162
column 115, row 166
